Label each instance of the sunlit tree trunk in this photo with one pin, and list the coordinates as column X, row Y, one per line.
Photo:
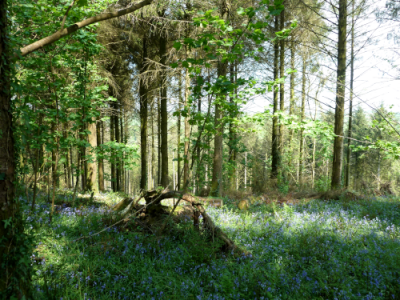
column 292, row 86
column 340, row 96
column 187, row 135
column 100, row 165
column 91, row 179
column 303, row 104
column 351, row 103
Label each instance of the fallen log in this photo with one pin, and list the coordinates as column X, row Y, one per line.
column 154, row 209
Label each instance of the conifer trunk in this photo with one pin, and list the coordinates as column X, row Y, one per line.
column 92, row 167
column 340, row 96
column 164, row 114
column 303, row 104
column 282, row 85
column 351, row 103
column 143, row 120
column 100, row 160
column 275, row 126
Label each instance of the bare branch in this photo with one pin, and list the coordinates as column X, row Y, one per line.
column 75, row 27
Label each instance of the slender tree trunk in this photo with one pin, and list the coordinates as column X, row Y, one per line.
column 351, row 103
column 143, row 119
column 118, row 140
column 187, row 135
column 303, row 104
column 100, row 160
column 112, row 162
column 179, row 132
column 91, row 178
column 232, row 133
column 292, row 86
column 222, row 67
column 275, row 126
column 71, row 164
column 340, row 96
column 282, row 85
column 122, row 158
column 153, row 150
column 164, row 115
column 159, row 141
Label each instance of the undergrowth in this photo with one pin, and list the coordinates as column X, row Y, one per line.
column 311, row 250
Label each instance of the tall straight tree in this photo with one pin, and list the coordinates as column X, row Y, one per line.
column 340, row 96
column 222, row 69
column 164, row 112
column 275, row 126
column 351, row 101
column 281, row 74
column 143, row 118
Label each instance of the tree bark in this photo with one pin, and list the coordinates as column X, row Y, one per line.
column 112, row 154
column 143, row 119
column 275, row 126
column 351, row 102
column 282, row 85
column 222, row 67
column 291, row 108
column 303, row 104
column 187, row 135
column 92, row 167
column 178, row 187
column 100, row 165
column 340, row 96
column 15, row 265
column 164, row 114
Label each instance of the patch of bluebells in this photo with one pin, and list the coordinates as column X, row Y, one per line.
column 321, row 249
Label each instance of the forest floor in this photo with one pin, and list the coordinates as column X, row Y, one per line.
column 314, row 249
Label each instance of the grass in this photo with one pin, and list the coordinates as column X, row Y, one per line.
column 310, row 250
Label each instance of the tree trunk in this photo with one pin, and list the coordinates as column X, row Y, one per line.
column 340, row 96
column 143, row 119
column 275, row 126
column 91, row 178
column 118, row 140
column 232, row 130
column 222, row 67
column 112, row 156
column 351, row 103
column 282, row 85
column 292, row 85
column 153, row 150
column 303, row 104
column 187, row 135
column 178, row 187
column 15, row 268
column 100, row 160
column 164, row 114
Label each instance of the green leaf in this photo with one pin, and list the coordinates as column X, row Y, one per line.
column 177, row 45
column 81, row 3
column 174, row 65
